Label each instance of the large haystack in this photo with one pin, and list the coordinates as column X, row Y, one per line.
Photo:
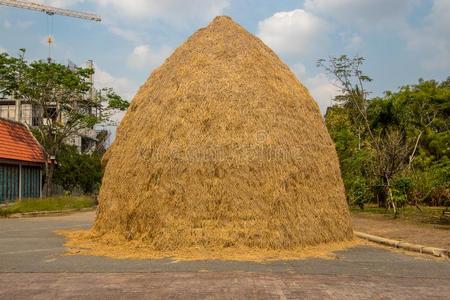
column 223, row 147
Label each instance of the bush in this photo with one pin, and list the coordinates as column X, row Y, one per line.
column 357, row 192
column 401, row 187
column 78, row 170
column 431, row 185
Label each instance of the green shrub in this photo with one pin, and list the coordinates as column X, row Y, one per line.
column 78, row 170
column 431, row 185
column 401, row 187
column 357, row 192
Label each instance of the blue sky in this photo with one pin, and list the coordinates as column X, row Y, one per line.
column 402, row 40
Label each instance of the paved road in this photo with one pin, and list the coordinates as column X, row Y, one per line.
column 32, row 266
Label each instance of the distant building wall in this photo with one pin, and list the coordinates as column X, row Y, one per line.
column 22, row 160
column 14, row 175
column 8, row 111
column 27, row 116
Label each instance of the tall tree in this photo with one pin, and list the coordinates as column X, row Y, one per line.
column 389, row 148
column 63, row 97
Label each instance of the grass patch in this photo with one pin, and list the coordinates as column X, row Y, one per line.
column 47, row 204
column 426, row 214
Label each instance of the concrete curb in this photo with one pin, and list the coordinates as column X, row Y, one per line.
column 439, row 252
column 50, row 213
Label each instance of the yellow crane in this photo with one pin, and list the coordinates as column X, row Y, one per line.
column 50, row 11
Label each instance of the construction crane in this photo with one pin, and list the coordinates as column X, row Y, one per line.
column 49, row 10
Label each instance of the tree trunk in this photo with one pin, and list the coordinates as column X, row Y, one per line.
column 391, row 198
column 382, row 194
column 49, row 170
column 411, row 157
column 359, row 139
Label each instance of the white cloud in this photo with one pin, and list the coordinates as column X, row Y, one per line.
column 175, row 12
column 352, row 41
column 145, row 57
column 126, row 34
column 367, row 13
column 121, row 85
column 299, row 70
column 355, row 42
column 3, row 50
column 168, row 10
column 431, row 41
column 293, row 33
column 322, row 90
column 439, row 16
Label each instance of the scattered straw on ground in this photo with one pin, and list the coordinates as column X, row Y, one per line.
column 84, row 242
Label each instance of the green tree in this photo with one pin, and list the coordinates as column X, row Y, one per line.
column 402, row 153
column 78, row 170
column 352, row 157
column 387, row 147
column 64, row 98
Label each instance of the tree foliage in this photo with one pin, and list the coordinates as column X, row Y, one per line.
column 63, row 97
column 78, row 170
column 394, row 149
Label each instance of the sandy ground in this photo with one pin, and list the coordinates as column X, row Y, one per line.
column 424, row 234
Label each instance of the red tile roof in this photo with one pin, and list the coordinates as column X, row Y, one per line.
column 18, row 143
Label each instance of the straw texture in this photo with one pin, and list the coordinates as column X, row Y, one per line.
column 222, row 147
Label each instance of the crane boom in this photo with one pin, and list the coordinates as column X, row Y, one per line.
column 50, row 10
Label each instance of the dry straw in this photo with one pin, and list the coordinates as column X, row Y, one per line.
column 222, row 148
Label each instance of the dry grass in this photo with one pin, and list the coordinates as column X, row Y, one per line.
column 221, row 149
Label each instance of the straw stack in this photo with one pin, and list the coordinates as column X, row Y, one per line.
column 223, row 147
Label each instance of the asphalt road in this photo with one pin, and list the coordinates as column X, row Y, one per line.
column 32, row 266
